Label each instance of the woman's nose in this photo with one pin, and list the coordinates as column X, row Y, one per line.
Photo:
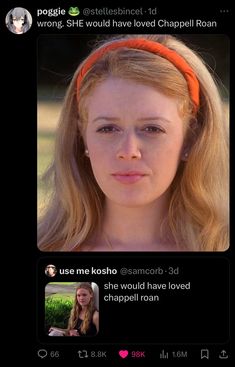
column 129, row 147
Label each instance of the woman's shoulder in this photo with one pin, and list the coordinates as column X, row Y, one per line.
column 95, row 315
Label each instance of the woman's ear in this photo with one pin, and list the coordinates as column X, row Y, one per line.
column 184, row 156
column 190, row 139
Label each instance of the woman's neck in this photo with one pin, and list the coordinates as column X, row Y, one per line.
column 134, row 228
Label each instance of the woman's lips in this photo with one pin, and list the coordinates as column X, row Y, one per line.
column 128, row 177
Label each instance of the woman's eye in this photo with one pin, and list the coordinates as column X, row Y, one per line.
column 153, row 129
column 107, row 129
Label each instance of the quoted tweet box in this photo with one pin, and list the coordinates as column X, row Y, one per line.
column 175, row 295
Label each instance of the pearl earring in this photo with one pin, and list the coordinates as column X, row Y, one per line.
column 186, row 155
column 87, row 152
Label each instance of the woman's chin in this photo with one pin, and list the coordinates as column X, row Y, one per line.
column 131, row 201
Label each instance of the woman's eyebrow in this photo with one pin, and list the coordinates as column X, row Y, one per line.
column 147, row 118
column 106, row 118
column 154, row 118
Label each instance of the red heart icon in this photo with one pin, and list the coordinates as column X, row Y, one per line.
column 123, row 353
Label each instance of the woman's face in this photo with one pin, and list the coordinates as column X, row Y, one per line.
column 134, row 136
column 51, row 270
column 18, row 23
column 83, row 297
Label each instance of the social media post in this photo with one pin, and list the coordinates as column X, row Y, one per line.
column 104, row 172
column 119, row 306
column 131, row 128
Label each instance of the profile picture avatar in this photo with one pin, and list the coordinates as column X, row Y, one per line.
column 18, row 20
column 50, row 270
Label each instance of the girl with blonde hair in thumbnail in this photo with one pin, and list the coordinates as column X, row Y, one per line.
column 84, row 317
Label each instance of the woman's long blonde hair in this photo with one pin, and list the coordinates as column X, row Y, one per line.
column 75, row 312
column 198, row 209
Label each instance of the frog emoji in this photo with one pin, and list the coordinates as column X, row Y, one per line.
column 74, row 11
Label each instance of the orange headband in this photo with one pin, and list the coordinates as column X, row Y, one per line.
column 155, row 48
